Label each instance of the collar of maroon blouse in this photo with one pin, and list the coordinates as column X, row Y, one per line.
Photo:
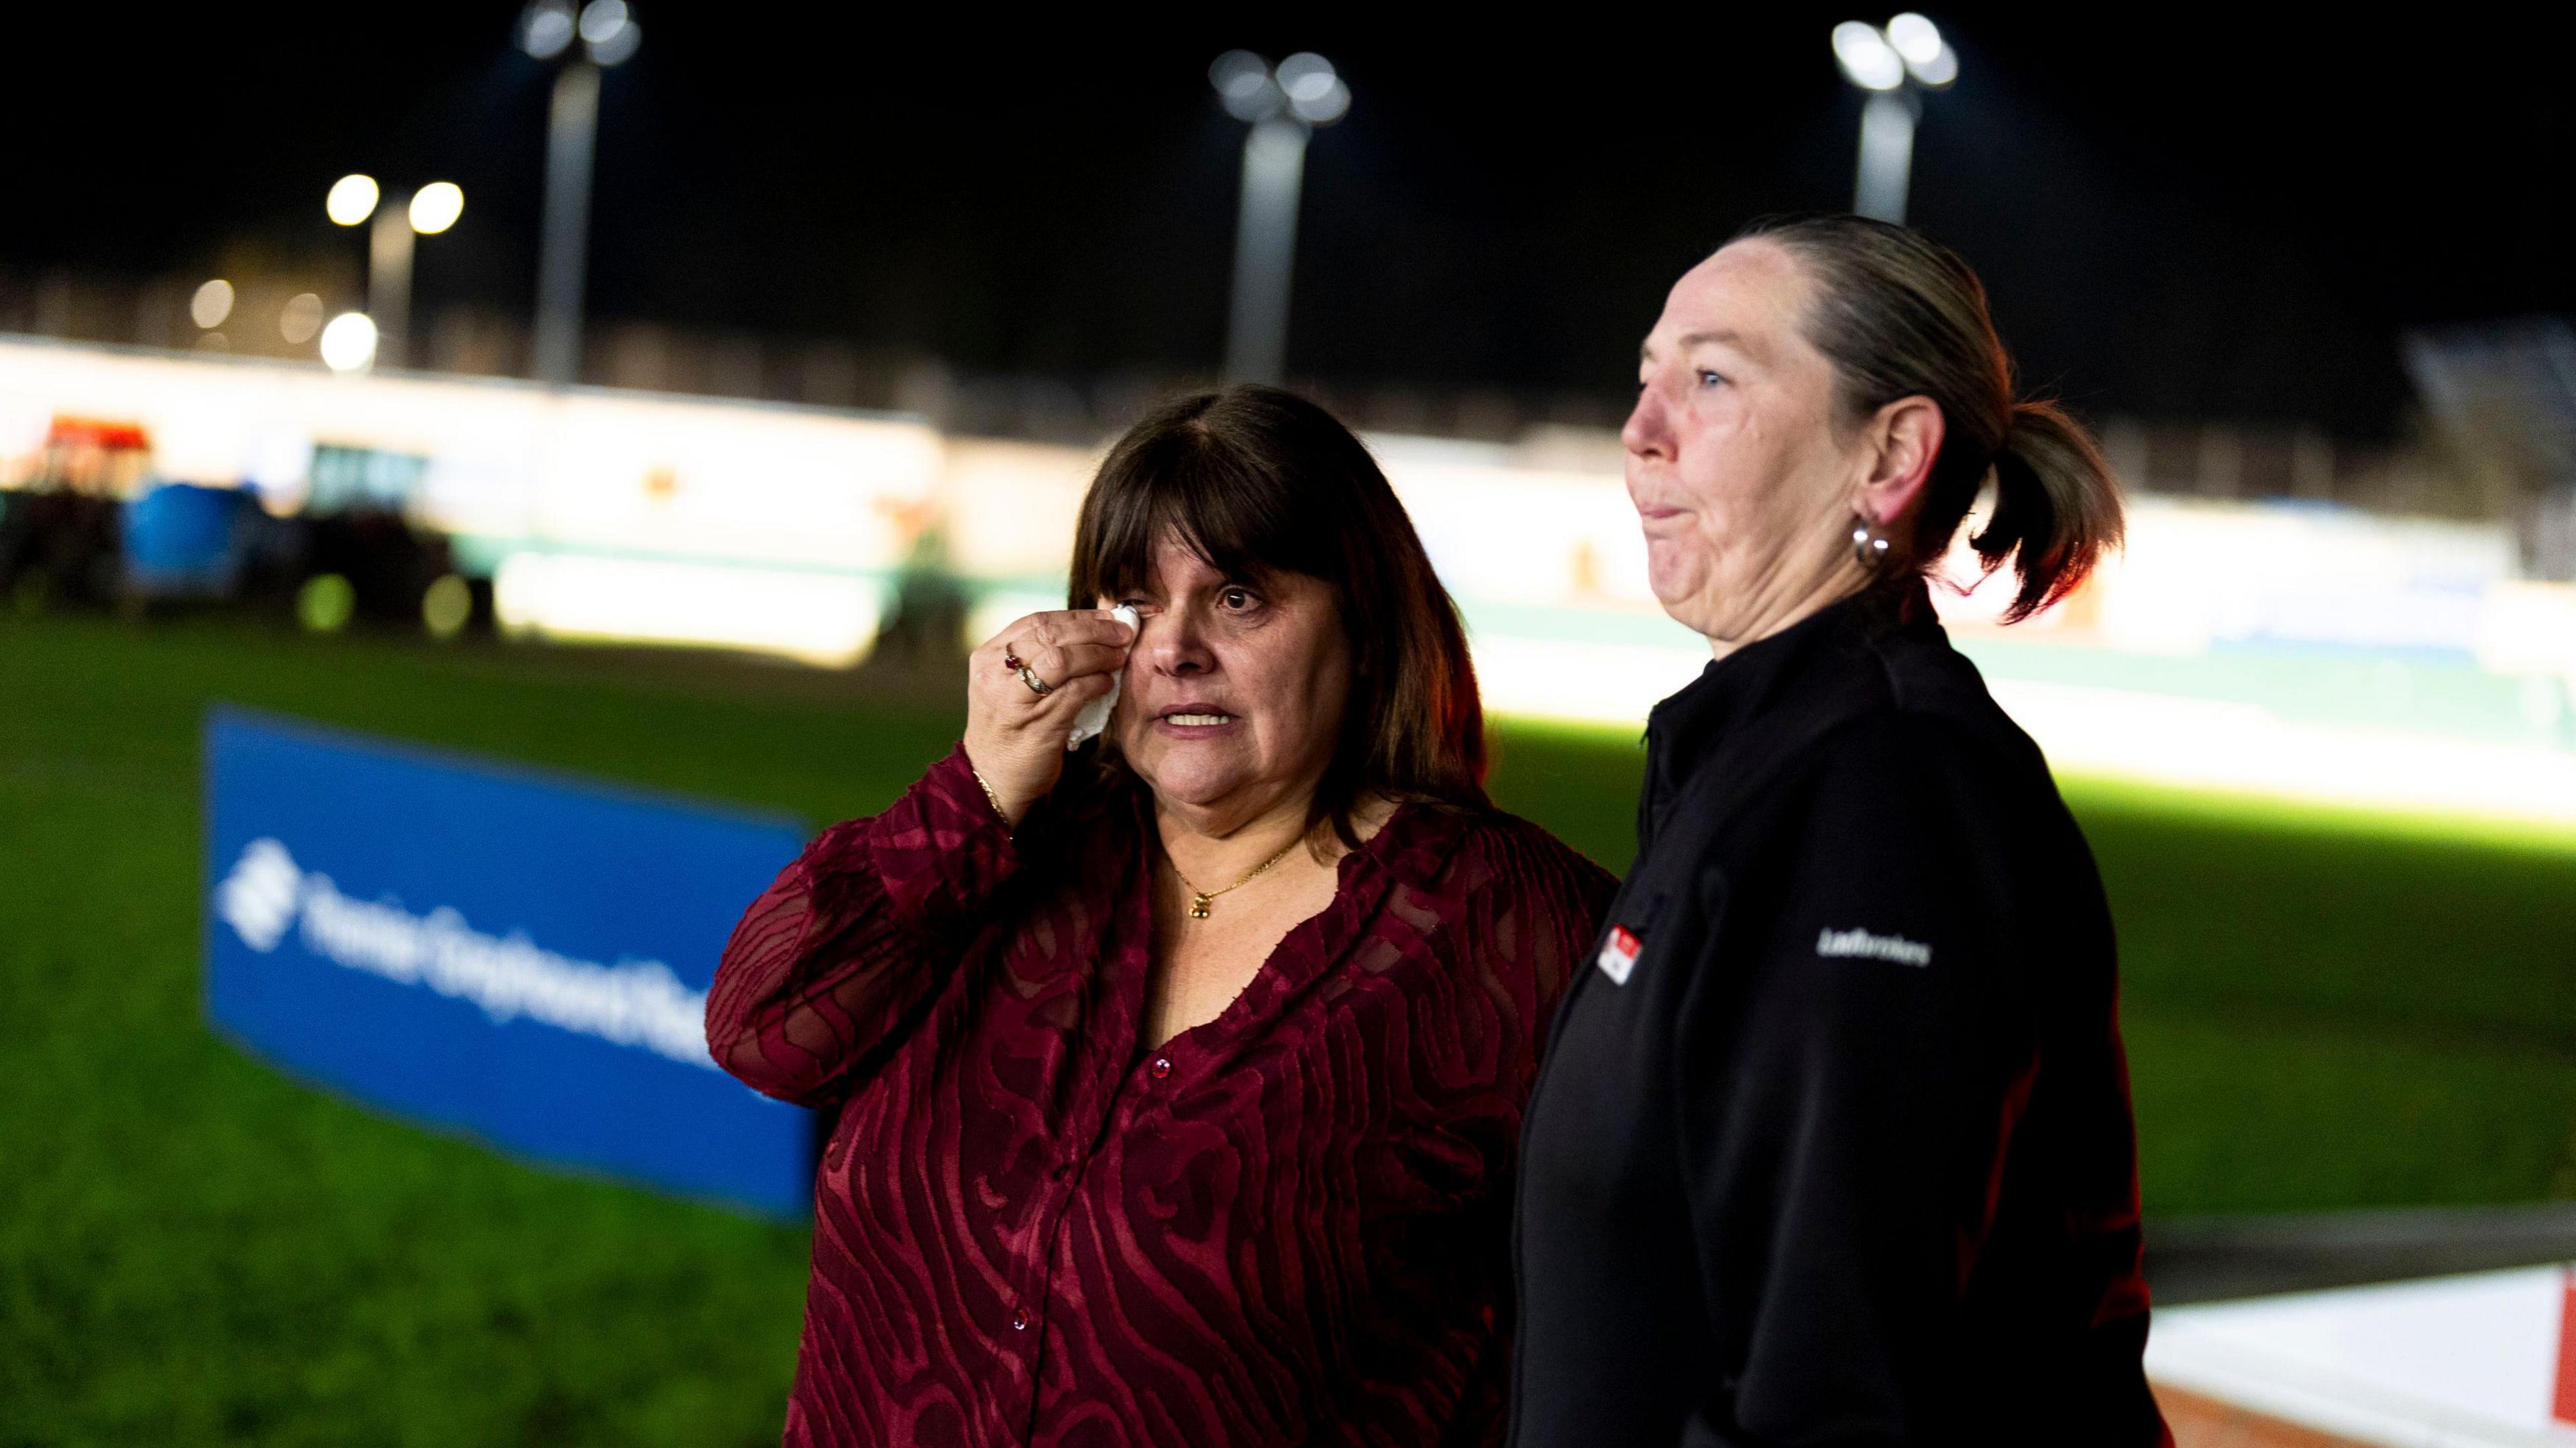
column 1409, row 848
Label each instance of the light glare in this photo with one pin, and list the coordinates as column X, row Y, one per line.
column 435, row 207
column 447, row 606
column 1238, row 73
column 1257, row 104
column 352, row 199
column 1939, row 71
column 212, row 303
column 547, row 28
column 822, row 619
column 1243, row 83
column 301, row 319
column 1326, row 108
column 349, row 343
column 618, row 48
column 1306, row 76
column 602, row 19
column 1867, row 60
column 1914, row 37
column 1305, row 85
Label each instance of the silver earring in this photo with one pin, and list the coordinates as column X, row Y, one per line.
column 1868, row 549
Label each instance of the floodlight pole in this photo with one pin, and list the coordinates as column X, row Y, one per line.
column 1886, row 156
column 1265, row 250
column 1890, row 63
column 572, row 140
column 389, row 257
column 1283, row 104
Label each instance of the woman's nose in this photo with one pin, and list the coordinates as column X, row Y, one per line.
column 1173, row 644
column 1648, row 432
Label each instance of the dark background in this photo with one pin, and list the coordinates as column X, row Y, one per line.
column 2224, row 216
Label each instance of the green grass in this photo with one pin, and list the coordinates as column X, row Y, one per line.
column 2327, row 1010
column 2324, row 1010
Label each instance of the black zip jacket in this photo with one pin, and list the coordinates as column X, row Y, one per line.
column 1832, row 1144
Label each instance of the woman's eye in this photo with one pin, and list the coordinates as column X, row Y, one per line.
column 1710, row 379
column 1235, row 598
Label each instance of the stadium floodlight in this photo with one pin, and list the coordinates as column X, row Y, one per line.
column 1283, row 105
column 1881, row 61
column 1867, row 60
column 427, row 212
column 1914, row 37
column 1315, row 92
column 1243, row 85
column 609, row 31
column 435, row 207
column 609, row 34
column 1928, row 58
column 349, row 343
column 548, row 28
column 352, row 199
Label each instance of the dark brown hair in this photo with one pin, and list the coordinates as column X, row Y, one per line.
column 1901, row 315
column 1257, row 481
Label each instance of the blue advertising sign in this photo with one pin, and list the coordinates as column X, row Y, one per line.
column 485, row 947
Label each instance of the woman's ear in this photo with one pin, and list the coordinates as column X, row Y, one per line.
column 1905, row 441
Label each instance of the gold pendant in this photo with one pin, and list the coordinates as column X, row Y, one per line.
column 1199, row 905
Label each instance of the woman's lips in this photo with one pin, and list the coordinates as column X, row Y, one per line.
column 1195, row 720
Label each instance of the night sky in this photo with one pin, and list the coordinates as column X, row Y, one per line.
column 2209, row 218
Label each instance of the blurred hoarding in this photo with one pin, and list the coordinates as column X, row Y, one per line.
column 484, row 948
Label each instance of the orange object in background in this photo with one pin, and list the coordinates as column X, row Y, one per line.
column 2199, row 1422
column 109, row 458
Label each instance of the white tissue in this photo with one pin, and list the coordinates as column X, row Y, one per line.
column 1095, row 715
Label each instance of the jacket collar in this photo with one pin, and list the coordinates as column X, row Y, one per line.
column 1760, row 682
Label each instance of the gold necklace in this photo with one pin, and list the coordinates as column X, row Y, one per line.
column 1199, row 898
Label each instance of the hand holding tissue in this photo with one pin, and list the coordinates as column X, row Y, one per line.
column 1094, row 717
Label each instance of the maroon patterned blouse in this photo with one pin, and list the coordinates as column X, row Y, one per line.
column 1289, row 1225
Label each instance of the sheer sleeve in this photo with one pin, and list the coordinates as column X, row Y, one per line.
column 864, row 926
column 1532, row 914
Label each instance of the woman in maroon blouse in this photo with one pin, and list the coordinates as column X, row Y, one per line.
column 1178, row 1079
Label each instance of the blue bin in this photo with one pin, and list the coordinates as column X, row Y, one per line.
column 182, row 540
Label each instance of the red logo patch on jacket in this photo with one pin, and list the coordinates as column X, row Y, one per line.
column 1619, row 954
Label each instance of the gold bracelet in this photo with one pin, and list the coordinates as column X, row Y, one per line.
column 990, row 798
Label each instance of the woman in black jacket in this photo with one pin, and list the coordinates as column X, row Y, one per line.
column 1834, row 1146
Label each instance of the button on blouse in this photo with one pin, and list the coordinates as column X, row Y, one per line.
column 1290, row 1226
